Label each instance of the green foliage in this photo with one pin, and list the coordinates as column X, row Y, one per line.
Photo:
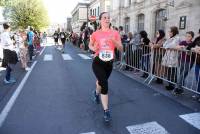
column 24, row 13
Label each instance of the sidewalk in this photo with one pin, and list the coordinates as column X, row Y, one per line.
column 185, row 99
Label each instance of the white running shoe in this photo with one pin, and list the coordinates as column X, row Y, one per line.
column 27, row 69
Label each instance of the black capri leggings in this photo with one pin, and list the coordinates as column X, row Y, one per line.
column 102, row 71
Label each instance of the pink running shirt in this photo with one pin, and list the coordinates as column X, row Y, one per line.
column 100, row 38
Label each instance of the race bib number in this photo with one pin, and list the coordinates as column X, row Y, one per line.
column 106, row 55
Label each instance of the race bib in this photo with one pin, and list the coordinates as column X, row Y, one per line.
column 62, row 36
column 55, row 36
column 106, row 55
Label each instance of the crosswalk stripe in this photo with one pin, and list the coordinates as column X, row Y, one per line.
column 48, row 57
column 89, row 133
column 66, row 57
column 147, row 128
column 193, row 119
column 84, row 56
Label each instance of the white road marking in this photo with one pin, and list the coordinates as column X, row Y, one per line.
column 42, row 51
column 2, row 68
column 193, row 119
column 12, row 100
column 89, row 133
column 84, row 56
column 48, row 57
column 66, row 57
column 147, row 128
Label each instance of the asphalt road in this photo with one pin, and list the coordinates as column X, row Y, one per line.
column 56, row 99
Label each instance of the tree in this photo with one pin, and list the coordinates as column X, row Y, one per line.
column 2, row 2
column 24, row 13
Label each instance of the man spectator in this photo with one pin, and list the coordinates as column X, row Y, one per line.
column 30, row 38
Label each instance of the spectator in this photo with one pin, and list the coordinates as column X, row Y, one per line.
column 185, row 63
column 36, row 40
column 86, row 36
column 156, row 45
column 196, row 48
column 44, row 37
column 170, row 59
column 9, row 55
column 137, row 52
column 145, row 53
column 23, row 50
column 129, row 52
column 30, row 38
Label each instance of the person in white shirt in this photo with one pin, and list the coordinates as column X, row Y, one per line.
column 9, row 55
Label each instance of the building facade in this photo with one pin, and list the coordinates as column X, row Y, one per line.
column 79, row 16
column 68, row 25
column 151, row 15
column 88, row 12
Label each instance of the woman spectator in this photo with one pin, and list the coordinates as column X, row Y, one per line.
column 170, row 59
column 23, row 50
column 158, row 53
column 145, row 53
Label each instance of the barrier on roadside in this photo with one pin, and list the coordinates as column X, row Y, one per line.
column 179, row 67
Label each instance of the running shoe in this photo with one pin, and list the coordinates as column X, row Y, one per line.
column 107, row 116
column 27, row 69
column 96, row 98
column 9, row 81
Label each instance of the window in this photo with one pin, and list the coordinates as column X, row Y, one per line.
column 107, row 8
column 127, row 25
column 98, row 11
column 140, row 22
column 159, row 22
column 90, row 12
column 129, row 2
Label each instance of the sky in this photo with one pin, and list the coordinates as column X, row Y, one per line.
column 59, row 10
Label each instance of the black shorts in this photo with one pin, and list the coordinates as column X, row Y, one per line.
column 102, row 71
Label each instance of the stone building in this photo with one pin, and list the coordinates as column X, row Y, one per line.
column 151, row 15
column 79, row 16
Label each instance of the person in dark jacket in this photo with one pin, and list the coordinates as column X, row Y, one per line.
column 145, row 53
column 196, row 48
column 185, row 63
column 63, row 40
column 56, row 36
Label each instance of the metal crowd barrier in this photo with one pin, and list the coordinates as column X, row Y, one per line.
column 170, row 65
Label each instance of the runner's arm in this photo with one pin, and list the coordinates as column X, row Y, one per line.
column 91, row 45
